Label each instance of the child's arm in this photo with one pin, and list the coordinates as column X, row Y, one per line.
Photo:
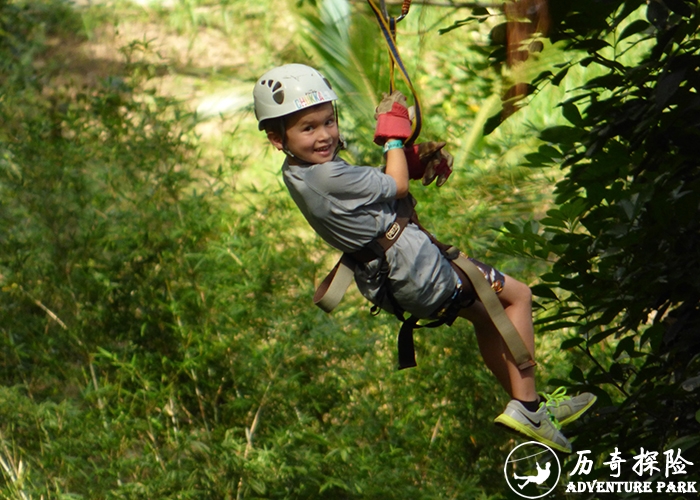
column 393, row 123
column 397, row 168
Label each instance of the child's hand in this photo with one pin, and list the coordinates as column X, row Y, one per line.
column 393, row 120
column 428, row 161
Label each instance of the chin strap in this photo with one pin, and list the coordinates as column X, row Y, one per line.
column 287, row 151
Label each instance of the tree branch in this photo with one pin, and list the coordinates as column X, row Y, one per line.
column 446, row 4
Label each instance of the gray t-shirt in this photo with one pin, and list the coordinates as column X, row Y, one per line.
column 349, row 206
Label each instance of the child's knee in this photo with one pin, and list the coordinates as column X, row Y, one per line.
column 517, row 291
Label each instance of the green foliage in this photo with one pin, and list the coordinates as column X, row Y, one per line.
column 624, row 233
column 24, row 27
column 157, row 338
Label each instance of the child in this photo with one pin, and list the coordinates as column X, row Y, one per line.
column 352, row 208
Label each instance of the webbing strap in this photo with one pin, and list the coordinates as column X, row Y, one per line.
column 495, row 310
column 331, row 290
column 387, row 26
column 407, row 350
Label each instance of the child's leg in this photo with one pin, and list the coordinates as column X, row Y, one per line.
column 516, row 298
column 525, row 416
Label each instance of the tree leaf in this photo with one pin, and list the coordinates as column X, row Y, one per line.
column 556, row 80
column 668, row 85
column 633, row 28
column 492, row 123
column 680, row 7
column 625, row 345
column 657, row 14
column 572, row 342
column 591, row 45
column 576, row 374
column 571, row 113
column 543, row 291
column 611, row 81
column 560, row 134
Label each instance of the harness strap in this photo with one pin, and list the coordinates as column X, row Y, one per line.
column 406, row 348
column 495, row 310
column 333, row 287
column 407, row 351
column 387, row 26
column 493, row 306
column 488, row 298
column 378, row 247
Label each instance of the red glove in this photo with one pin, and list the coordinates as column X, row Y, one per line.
column 393, row 121
column 428, row 161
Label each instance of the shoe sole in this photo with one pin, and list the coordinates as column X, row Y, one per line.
column 575, row 416
column 509, row 423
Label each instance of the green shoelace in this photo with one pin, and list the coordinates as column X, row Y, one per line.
column 553, row 400
column 556, row 398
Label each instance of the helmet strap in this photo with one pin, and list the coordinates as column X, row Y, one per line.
column 285, row 149
column 342, row 143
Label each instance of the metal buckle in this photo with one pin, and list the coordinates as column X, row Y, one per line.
column 449, row 302
column 393, row 231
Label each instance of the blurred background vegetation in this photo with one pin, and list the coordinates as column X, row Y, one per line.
column 157, row 336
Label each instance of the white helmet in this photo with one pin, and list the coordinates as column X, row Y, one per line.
column 289, row 88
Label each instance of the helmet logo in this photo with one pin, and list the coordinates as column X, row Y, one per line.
column 277, row 90
column 312, row 98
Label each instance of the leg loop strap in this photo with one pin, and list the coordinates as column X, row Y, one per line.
column 495, row 310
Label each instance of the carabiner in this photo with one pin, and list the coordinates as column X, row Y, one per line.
column 405, row 7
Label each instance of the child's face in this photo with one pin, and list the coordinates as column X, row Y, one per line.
column 312, row 135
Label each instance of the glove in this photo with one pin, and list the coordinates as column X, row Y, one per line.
column 428, row 161
column 393, row 121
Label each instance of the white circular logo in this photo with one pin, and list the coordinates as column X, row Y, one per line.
column 532, row 470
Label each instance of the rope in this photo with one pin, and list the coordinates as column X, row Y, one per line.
column 387, row 26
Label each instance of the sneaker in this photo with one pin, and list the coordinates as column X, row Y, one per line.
column 565, row 408
column 536, row 425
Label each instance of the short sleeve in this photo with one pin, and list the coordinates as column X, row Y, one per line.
column 352, row 186
column 347, row 206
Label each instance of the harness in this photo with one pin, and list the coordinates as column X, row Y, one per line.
column 333, row 287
